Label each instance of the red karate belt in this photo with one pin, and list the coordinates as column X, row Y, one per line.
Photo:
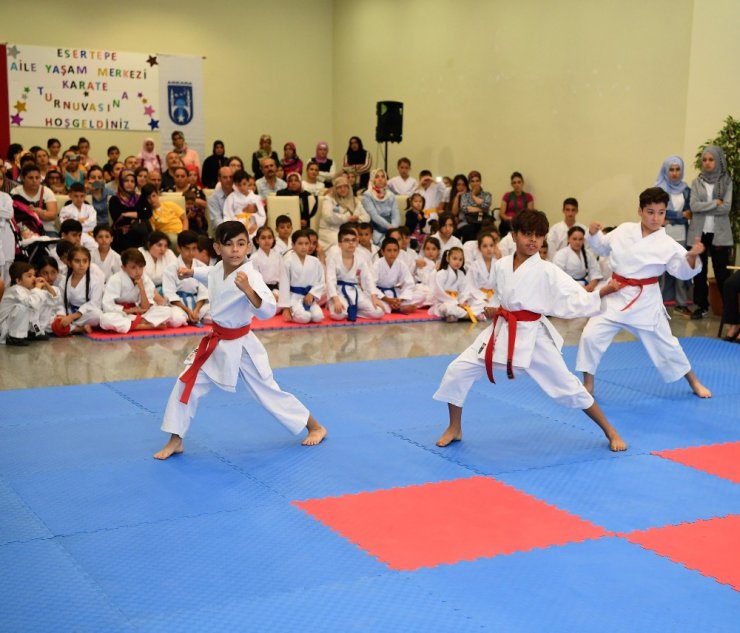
column 205, row 348
column 137, row 317
column 634, row 282
column 511, row 319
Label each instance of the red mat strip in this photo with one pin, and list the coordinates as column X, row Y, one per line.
column 448, row 522
column 722, row 460
column 709, row 547
column 275, row 323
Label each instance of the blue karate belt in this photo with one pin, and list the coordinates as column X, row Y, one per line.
column 188, row 298
column 351, row 305
column 302, row 290
column 392, row 290
column 73, row 309
column 583, row 281
column 158, row 288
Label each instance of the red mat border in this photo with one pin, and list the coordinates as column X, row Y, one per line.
column 275, row 323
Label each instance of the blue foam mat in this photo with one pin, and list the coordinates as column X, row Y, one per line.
column 113, row 540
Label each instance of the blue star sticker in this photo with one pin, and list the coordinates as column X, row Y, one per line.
column 13, row 51
column 153, row 124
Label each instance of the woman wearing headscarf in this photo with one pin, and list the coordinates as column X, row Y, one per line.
column 339, row 207
column 291, row 163
column 212, row 164
column 380, row 203
column 711, row 201
column 670, row 180
column 130, row 219
column 326, row 164
column 264, row 151
column 148, row 158
column 359, row 159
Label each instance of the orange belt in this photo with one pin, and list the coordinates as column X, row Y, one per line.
column 465, row 307
column 511, row 319
column 488, row 292
column 205, row 348
column 634, row 282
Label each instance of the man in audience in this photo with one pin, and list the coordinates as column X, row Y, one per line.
column 217, row 200
column 269, row 183
column 168, row 177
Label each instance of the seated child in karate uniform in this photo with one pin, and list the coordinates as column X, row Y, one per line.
column 451, row 292
column 206, row 253
column 640, row 252
column 394, row 283
column 237, row 294
column 366, row 248
column 301, row 282
column 158, row 258
column 578, row 261
column 445, row 234
column 48, row 269
column 284, row 227
column 79, row 210
column 426, row 268
column 82, row 293
column 266, row 259
column 104, row 257
column 481, row 274
column 244, row 205
column 22, row 305
column 187, row 297
column 528, row 288
column 349, row 282
column 407, row 254
column 128, row 299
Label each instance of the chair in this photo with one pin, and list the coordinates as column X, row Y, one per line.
column 284, row 205
column 402, row 201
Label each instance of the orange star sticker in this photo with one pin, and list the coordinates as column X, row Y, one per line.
column 20, row 106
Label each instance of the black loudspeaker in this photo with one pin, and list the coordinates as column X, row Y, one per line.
column 390, row 122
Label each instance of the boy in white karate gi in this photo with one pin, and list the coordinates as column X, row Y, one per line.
column 22, row 306
column 244, row 205
column 78, row 209
column 527, row 288
column 393, row 280
column 301, row 282
column 186, row 296
column 129, row 302
column 557, row 237
column 237, row 294
column 639, row 253
column 349, row 282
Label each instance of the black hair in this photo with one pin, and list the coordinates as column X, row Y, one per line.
column 283, row 219
column 156, row 236
column 229, row 230
column 63, row 247
column 51, row 142
column 389, row 241
column 364, row 226
column 133, row 256
column 653, row 195
column 264, row 228
column 530, row 221
column 346, row 230
column 77, row 187
column 146, row 191
column 444, row 264
column 70, row 226
column 571, row 201
column 483, row 234
column 443, row 217
column 403, row 159
column 575, row 229
column 300, row 233
column 205, row 243
column 112, row 148
column 72, row 251
column 186, row 238
column 516, row 174
column 28, row 168
column 18, row 269
column 424, row 172
column 404, row 230
column 47, row 260
column 240, row 175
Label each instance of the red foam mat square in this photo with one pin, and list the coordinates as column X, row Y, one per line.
column 709, row 547
column 447, row 522
column 722, row 460
column 188, row 330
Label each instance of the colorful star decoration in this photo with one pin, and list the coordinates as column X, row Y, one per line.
column 149, row 111
column 16, row 119
column 20, row 106
column 152, row 60
column 13, row 51
column 154, row 124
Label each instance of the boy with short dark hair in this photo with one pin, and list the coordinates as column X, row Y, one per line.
column 104, row 257
column 284, row 229
column 557, row 237
column 237, row 293
column 78, row 209
column 403, row 184
column 188, row 295
column 301, row 284
column 529, row 288
column 639, row 253
column 22, row 304
column 393, row 279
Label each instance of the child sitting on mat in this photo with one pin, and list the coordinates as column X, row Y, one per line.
column 128, row 299
column 393, row 280
column 187, row 296
column 104, row 256
column 301, row 283
column 521, row 336
column 22, row 305
column 158, row 257
column 237, row 295
column 82, row 293
column 266, row 259
column 451, row 293
column 639, row 253
column 349, row 281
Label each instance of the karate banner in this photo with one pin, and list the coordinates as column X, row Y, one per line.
column 181, row 100
column 79, row 88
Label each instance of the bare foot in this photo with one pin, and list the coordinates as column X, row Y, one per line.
column 588, row 382
column 699, row 389
column 316, row 435
column 449, row 436
column 174, row 445
column 88, row 329
column 408, row 309
column 451, row 319
column 616, row 443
